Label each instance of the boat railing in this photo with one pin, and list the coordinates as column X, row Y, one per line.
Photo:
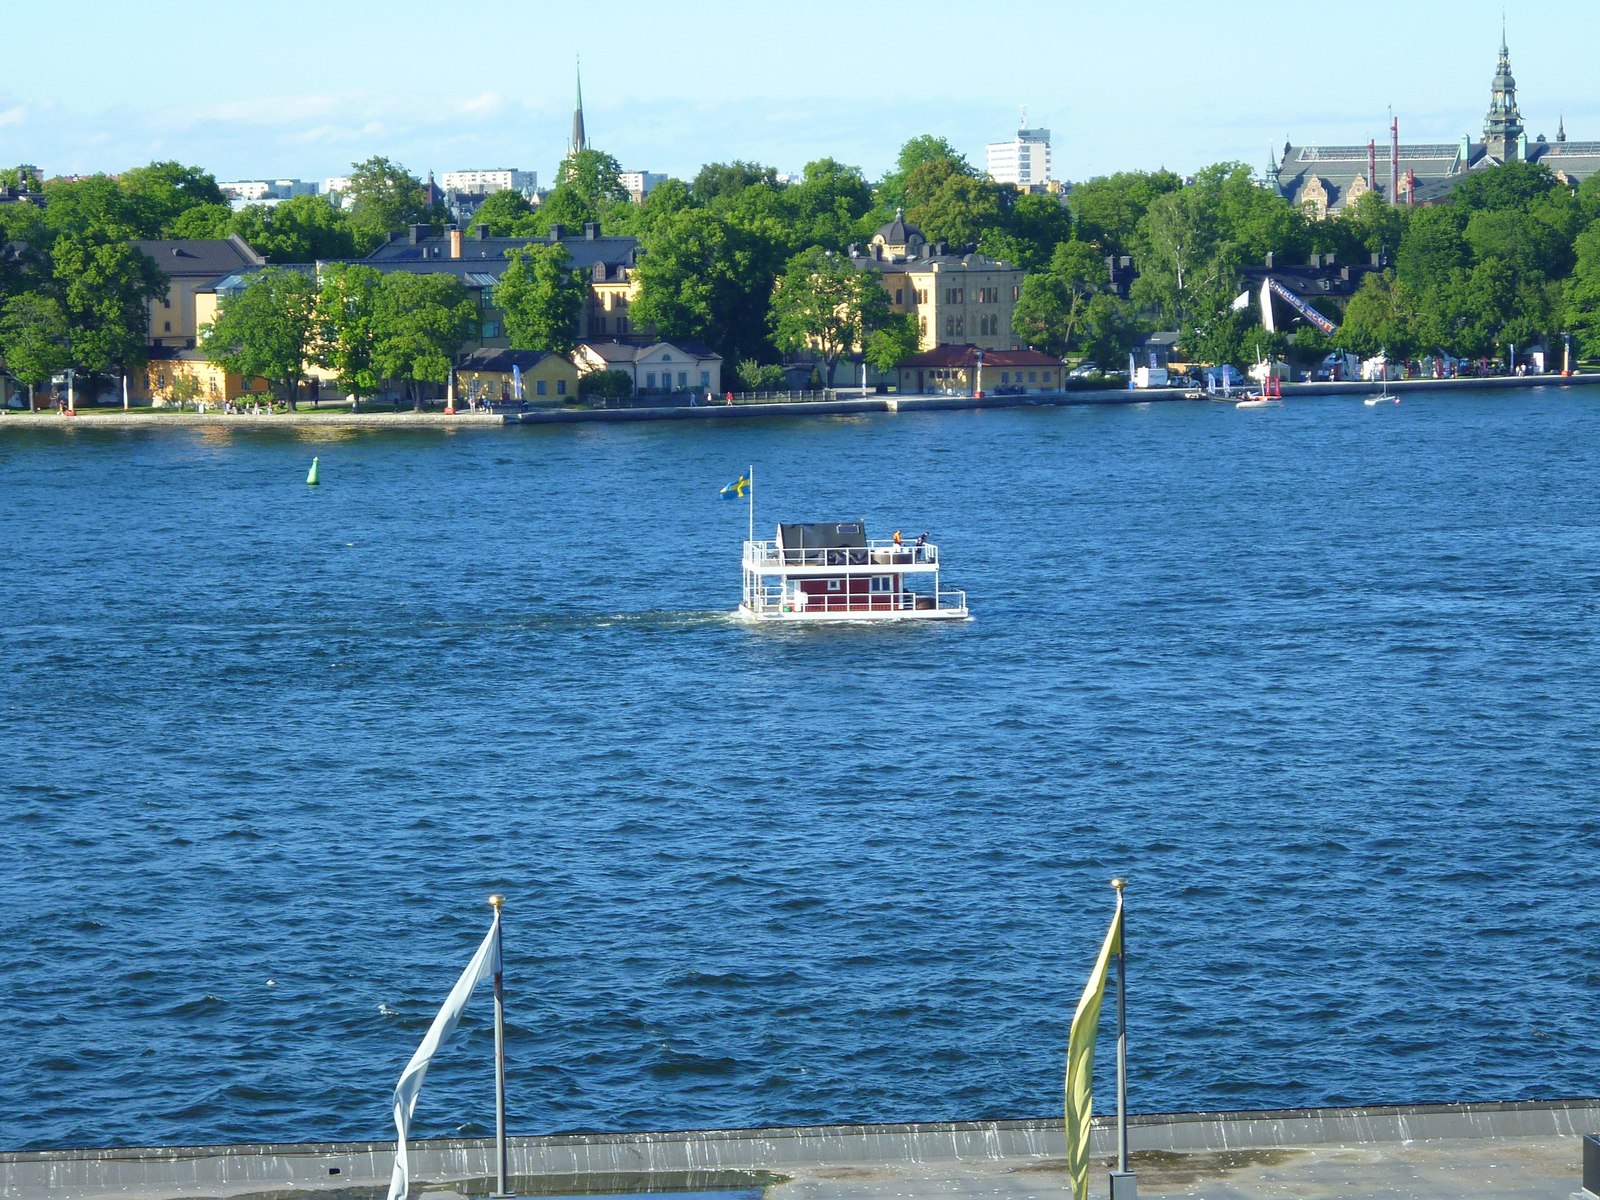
column 769, row 555
column 776, row 598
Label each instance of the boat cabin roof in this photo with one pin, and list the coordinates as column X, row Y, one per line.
column 848, row 534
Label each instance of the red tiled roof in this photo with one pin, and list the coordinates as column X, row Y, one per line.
column 967, row 356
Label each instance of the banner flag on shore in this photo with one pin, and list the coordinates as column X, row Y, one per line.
column 1080, row 1060
column 485, row 965
column 736, row 489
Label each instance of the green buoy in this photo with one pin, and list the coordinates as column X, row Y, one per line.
column 311, row 476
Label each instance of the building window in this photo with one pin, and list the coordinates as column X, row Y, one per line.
column 650, row 381
column 561, row 387
column 961, row 326
column 168, row 326
column 949, row 327
column 539, row 387
column 683, row 379
column 705, row 379
column 898, row 293
column 1032, row 376
column 600, row 324
column 491, row 329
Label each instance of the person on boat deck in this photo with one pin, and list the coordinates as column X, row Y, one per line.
column 922, row 545
column 897, row 540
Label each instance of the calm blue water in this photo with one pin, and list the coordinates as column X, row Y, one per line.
column 1320, row 681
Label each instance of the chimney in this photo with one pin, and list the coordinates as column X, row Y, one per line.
column 557, row 232
column 1269, row 260
column 1328, row 258
column 455, row 243
column 1375, row 259
column 1316, row 261
column 482, row 232
column 591, row 230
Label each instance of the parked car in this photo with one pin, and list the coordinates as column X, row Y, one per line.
column 1083, row 371
column 1182, row 381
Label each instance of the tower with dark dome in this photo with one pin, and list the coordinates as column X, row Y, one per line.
column 1502, row 127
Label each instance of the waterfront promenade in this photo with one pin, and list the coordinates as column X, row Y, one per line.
column 1519, row 1151
column 841, row 403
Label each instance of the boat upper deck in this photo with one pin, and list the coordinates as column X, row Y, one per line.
column 773, row 558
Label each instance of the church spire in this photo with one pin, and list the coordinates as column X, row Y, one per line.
column 1502, row 125
column 578, row 143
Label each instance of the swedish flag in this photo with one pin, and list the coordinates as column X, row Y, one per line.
column 736, row 489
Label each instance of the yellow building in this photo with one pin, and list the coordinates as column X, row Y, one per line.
column 190, row 264
column 492, row 376
column 958, row 299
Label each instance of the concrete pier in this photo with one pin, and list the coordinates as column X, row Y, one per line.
column 1517, row 1151
column 839, row 404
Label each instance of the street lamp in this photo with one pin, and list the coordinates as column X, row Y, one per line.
column 1566, row 356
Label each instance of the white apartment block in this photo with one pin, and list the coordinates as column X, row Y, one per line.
column 252, row 190
column 486, row 183
column 1024, row 160
column 638, row 184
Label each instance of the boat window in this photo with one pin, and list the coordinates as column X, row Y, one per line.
column 835, row 584
column 883, row 583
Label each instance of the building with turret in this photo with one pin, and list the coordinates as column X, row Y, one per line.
column 1325, row 179
column 959, row 298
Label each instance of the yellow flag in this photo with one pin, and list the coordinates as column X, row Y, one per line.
column 1080, row 1060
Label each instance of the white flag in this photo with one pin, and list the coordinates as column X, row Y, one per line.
column 485, row 964
column 1241, row 302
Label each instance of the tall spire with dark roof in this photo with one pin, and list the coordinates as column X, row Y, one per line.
column 1502, row 126
column 578, row 142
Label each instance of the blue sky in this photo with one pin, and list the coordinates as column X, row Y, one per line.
column 298, row 89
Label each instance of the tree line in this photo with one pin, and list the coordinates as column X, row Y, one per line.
column 757, row 268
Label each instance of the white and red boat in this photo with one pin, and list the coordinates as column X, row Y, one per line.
column 834, row 572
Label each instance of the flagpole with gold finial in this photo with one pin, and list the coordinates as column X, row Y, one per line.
column 497, row 902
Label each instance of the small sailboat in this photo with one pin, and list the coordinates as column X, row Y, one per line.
column 1383, row 397
column 1268, row 395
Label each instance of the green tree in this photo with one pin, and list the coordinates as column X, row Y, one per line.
column 541, row 298
column 203, row 221
column 891, row 190
column 266, row 330
column 1581, row 310
column 960, row 209
column 346, row 315
column 706, row 276
column 1185, row 268
column 1432, row 248
column 34, row 339
column 302, row 229
column 824, row 302
column 1108, row 209
column 1055, row 300
column 96, row 207
column 1382, row 317
column 505, row 213
column 105, row 286
column 827, row 204
column 163, row 191
column 605, row 385
column 1036, row 225
column 588, row 185
column 422, row 322
column 724, row 181
column 384, row 198
column 896, row 340
column 1109, row 329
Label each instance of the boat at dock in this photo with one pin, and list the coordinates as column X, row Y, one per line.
column 834, row 572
